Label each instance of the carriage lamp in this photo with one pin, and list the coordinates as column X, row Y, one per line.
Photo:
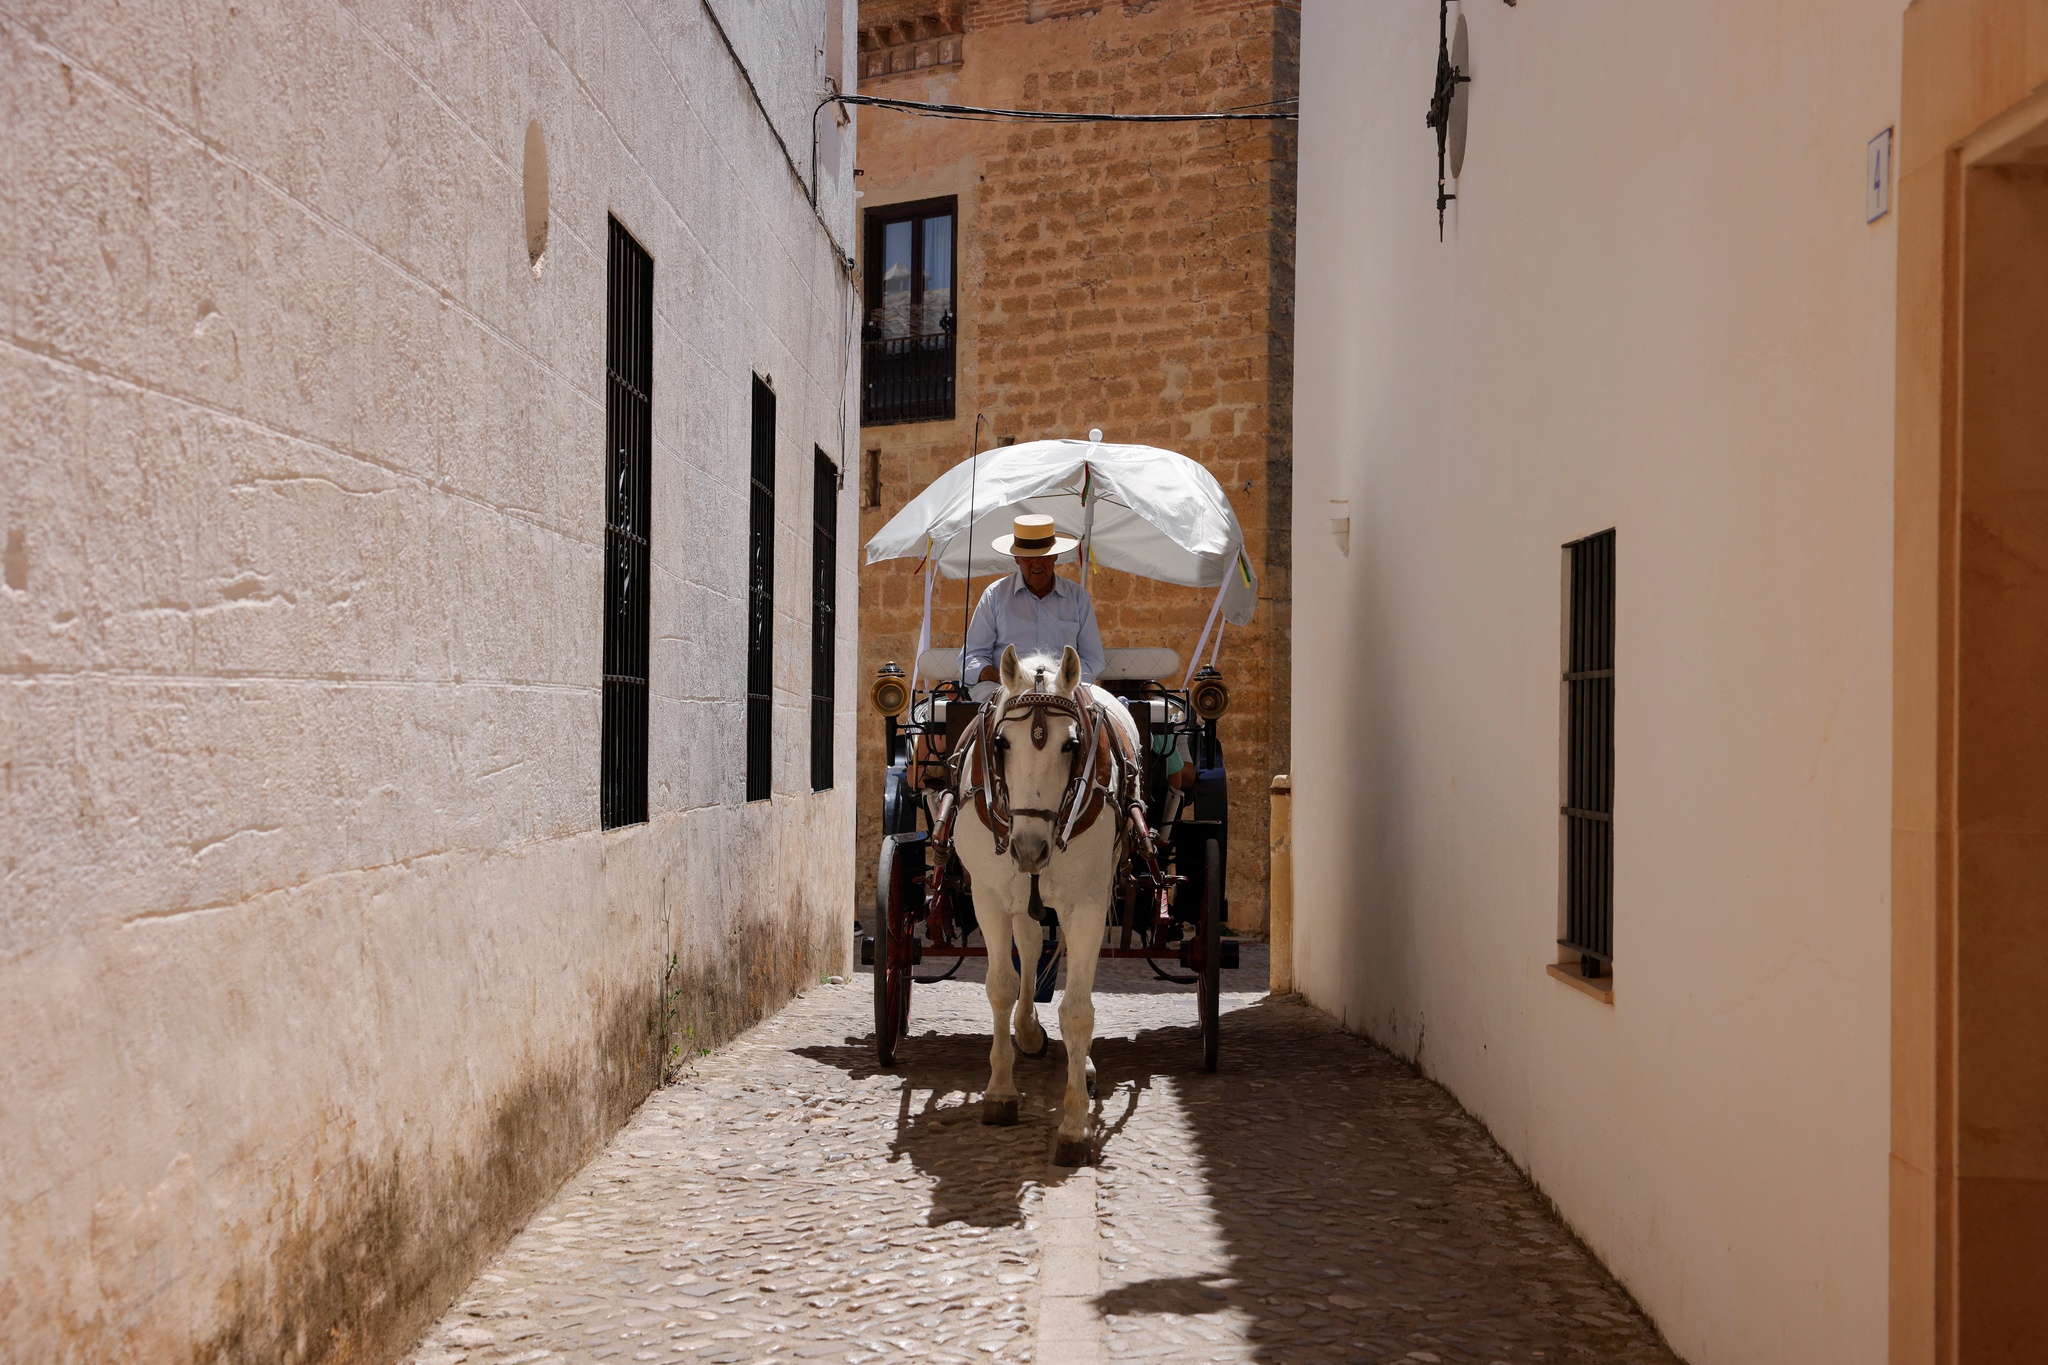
column 1209, row 696
column 890, row 693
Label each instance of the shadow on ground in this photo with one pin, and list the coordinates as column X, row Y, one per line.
column 979, row 1174
column 1338, row 1206
column 1365, row 1215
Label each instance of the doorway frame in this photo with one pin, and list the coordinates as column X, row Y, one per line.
column 1975, row 79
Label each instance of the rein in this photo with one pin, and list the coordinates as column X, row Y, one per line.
column 1104, row 773
column 1085, row 793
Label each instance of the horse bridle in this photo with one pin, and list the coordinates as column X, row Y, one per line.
column 1082, row 801
column 994, row 793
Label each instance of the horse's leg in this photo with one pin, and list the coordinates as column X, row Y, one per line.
column 999, row 1101
column 1031, row 1039
column 1082, row 927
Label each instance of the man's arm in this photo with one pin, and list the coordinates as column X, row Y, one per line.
column 1088, row 644
column 977, row 662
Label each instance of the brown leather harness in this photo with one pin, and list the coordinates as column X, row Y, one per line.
column 1102, row 774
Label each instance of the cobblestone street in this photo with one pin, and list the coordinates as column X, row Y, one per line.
column 1315, row 1201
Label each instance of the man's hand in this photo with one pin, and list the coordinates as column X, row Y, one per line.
column 989, row 674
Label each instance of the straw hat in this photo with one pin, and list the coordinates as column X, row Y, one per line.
column 1032, row 535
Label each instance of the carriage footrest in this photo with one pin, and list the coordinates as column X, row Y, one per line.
column 1229, row 953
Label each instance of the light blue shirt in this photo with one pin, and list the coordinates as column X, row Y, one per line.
column 1009, row 613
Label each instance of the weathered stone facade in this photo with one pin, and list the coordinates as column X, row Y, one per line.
column 1137, row 278
column 319, row 973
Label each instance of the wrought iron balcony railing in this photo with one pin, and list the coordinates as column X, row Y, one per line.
column 906, row 379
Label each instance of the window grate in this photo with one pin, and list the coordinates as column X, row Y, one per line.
column 824, row 609
column 906, row 379
column 761, row 600
column 629, row 422
column 1588, row 807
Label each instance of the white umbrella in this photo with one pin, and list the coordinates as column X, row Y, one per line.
column 1141, row 509
column 1147, row 511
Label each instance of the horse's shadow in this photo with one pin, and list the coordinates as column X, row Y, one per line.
column 980, row 1174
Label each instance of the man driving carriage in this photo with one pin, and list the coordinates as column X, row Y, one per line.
column 1037, row 612
column 1033, row 609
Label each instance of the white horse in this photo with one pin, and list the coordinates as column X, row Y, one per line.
column 1042, row 803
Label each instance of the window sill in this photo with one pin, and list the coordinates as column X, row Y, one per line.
column 1569, row 973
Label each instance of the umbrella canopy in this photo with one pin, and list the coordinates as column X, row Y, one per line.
column 1155, row 513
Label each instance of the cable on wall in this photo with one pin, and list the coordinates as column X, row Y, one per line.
column 840, row 253
column 1243, row 114
column 1250, row 113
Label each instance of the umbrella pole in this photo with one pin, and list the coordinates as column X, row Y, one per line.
column 1087, row 527
column 924, row 629
column 1195, row 659
column 967, row 583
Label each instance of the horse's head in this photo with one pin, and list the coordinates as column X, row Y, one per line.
column 1035, row 747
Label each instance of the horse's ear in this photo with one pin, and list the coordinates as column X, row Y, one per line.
column 1070, row 672
column 1012, row 681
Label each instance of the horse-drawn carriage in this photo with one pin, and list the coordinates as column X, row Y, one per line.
column 955, row 779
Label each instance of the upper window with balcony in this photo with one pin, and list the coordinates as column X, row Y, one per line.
column 907, row 337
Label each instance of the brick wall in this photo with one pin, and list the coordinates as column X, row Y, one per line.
column 1136, row 278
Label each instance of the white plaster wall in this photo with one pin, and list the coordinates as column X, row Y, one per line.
column 1656, row 307
column 318, row 972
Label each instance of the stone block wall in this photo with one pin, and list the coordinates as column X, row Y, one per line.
column 1137, row 278
column 319, row 971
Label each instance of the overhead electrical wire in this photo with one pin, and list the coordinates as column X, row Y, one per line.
column 1249, row 113
column 1243, row 114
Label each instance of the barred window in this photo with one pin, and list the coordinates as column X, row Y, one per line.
column 1588, row 808
column 824, row 609
column 628, row 410
column 761, row 599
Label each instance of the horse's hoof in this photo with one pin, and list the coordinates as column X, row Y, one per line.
column 1091, row 1081
column 1044, row 1046
column 999, row 1113
column 1068, row 1151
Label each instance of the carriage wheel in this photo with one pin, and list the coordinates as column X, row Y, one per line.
column 1209, row 986
column 894, row 950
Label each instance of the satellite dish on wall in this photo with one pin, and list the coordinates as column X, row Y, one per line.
column 1461, row 102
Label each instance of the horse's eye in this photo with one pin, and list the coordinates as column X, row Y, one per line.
column 1069, row 747
column 1003, row 743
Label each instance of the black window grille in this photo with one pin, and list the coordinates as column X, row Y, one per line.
column 824, row 608
column 761, row 600
column 906, row 379
column 1589, row 755
column 907, row 346
column 629, row 422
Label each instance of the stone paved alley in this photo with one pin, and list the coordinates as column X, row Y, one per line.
column 1315, row 1201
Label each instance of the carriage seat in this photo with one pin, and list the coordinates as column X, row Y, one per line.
column 943, row 665
column 1140, row 665
column 938, row 665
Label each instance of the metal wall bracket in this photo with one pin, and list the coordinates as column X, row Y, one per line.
column 1448, row 79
